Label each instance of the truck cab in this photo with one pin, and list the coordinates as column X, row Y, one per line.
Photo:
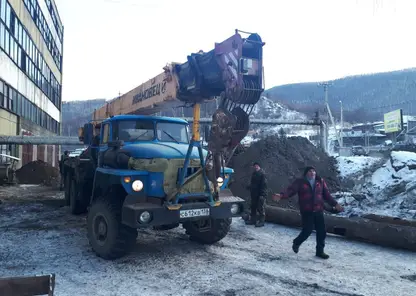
column 129, row 178
column 149, row 137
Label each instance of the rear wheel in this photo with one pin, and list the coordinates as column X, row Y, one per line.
column 208, row 231
column 108, row 237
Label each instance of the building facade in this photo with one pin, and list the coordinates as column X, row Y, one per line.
column 31, row 48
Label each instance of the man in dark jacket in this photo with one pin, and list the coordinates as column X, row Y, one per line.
column 312, row 192
column 258, row 193
column 61, row 168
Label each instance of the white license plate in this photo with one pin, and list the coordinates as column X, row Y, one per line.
column 194, row 213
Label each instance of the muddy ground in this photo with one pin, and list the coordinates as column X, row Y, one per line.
column 39, row 236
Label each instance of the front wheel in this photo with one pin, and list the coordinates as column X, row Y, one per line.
column 108, row 237
column 208, row 231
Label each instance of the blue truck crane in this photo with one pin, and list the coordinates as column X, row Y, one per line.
column 142, row 170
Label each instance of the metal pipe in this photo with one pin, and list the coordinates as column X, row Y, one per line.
column 39, row 140
column 60, row 140
column 265, row 121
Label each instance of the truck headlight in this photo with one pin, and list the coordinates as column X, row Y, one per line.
column 137, row 185
column 145, row 217
column 235, row 209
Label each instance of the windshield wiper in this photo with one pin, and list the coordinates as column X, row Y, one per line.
column 138, row 137
column 170, row 136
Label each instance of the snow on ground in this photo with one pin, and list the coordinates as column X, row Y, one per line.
column 269, row 109
column 349, row 165
column 403, row 158
column 377, row 187
column 43, row 238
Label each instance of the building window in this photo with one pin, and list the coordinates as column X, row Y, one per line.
column 39, row 20
column 14, row 101
column 17, row 44
column 1, row 92
column 7, row 150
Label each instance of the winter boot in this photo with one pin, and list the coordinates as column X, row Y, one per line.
column 260, row 223
column 251, row 221
column 295, row 248
column 321, row 254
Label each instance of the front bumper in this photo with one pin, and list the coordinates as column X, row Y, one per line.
column 162, row 215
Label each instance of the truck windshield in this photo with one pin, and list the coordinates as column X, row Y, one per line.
column 134, row 130
column 172, row 132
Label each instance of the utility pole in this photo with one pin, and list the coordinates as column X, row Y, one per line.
column 341, row 136
column 329, row 114
column 326, row 85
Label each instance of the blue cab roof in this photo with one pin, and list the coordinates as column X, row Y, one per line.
column 147, row 117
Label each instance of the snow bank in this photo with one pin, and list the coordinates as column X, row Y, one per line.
column 269, row 109
column 389, row 190
column 351, row 165
column 401, row 159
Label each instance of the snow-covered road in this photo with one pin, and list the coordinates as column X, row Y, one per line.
column 44, row 238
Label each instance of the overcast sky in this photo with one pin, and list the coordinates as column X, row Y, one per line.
column 112, row 46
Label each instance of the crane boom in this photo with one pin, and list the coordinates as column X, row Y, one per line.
column 232, row 71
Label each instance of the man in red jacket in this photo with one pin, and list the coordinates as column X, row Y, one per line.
column 312, row 192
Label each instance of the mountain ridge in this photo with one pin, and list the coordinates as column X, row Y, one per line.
column 368, row 95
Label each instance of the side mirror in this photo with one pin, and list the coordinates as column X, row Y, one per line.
column 115, row 144
column 81, row 134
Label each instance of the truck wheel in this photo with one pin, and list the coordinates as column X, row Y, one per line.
column 208, row 231
column 77, row 206
column 108, row 237
column 67, row 188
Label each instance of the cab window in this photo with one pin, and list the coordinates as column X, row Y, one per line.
column 134, row 130
column 172, row 132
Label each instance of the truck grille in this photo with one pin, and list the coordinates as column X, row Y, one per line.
column 189, row 172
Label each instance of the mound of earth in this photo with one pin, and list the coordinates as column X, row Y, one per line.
column 283, row 160
column 38, row 172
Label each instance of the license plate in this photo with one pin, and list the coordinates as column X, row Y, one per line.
column 194, row 213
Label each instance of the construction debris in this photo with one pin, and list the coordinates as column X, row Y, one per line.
column 34, row 285
column 283, row 159
column 38, row 172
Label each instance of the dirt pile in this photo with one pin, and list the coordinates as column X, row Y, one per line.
column 38, row 172
column 282, row 159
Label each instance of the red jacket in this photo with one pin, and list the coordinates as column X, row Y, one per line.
column 310, row 201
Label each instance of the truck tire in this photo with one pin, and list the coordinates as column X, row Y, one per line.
column 108, row 237
column 199, row 233
column 67, row 188
column 76, row 205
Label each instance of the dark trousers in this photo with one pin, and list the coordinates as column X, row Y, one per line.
column 258, row 211
column 309, row 220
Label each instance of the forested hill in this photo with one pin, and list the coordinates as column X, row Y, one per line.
column 76, row 113
column 374, row 94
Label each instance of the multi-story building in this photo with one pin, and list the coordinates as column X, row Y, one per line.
column 31, row 46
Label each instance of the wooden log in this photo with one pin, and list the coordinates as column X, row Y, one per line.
column 390, row 220
column 28, row 286
column 361, row 229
